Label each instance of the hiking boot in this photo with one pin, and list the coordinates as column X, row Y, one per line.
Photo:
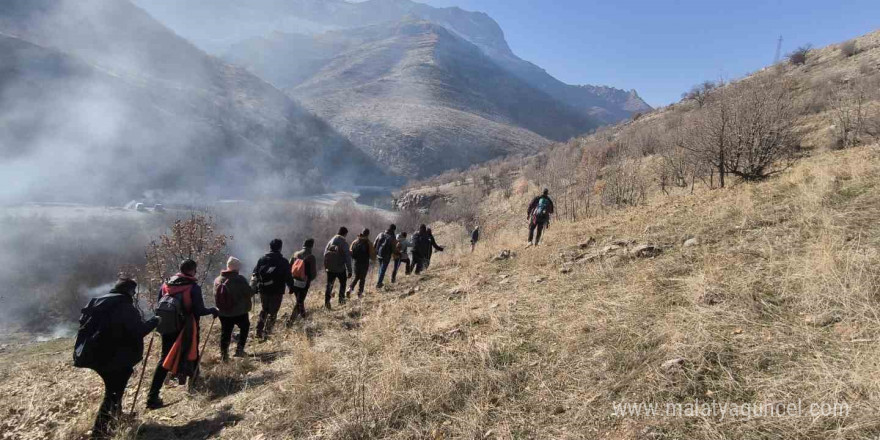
column 240, row 353
column 155, row 403
column 360, row 295
column 328, row 306
column 224, row 355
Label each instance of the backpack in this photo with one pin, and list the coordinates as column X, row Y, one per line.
column 171, row 315
column 543, row 208
column 223, row 297
column 383, row 247
column 266, row 275
column 298, row 269
column 333, row 259
column 361, row 250
column 93, row 337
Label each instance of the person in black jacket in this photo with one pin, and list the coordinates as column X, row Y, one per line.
column 270, row 276
column 122, row 352
column 475, row 237
column 434, row 246
column 539, row 212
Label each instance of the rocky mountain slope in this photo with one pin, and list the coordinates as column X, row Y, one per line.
column 117, row 105
column 421, row 99
column 288, row 42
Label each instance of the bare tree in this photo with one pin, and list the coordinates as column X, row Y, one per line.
column 799, row 56
column 761, row 138
column 700, row 92
column 194, row 238
column 848, row 114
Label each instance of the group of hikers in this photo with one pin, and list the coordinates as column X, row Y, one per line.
column 112, row 329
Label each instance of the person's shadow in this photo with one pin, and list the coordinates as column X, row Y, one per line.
column 196, row 429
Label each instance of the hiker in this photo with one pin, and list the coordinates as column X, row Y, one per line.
column 539, row 213
column 180, row 306
column 111, row 342
column 475, row 237
column 304, row 269
column 362, row 253
column 385, row 245
column 233, row 297
column 421, row 245
column 270, row 276
column 431, row 248
column 337, row 264
column 401, row 256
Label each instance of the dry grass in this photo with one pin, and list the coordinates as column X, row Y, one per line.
column 776, row 305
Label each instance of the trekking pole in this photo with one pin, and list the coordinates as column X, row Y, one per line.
column 137, row 391
column 198, row 368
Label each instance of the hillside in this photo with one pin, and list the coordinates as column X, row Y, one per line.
column 96, row 85
column 416, row 97
column 773, row 305
column 287, row 43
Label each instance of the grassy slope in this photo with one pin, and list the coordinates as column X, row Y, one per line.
column 517, row 349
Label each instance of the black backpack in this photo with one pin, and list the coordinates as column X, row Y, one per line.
column 94, row 336
column 361, row 250
column 171, row 315
column 266, row 274
column 384, row 247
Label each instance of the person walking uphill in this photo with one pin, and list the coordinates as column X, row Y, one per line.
column 233, row 294
column 180, row 306
column 385, row 245
column 270, row 276
column 304, row 269
column 539, row 212
column 475, row 237
column 111, row 342
column 362, row 253
column 337, row 264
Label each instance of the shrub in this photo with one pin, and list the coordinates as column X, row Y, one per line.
column 799, row 56
column 849, row 48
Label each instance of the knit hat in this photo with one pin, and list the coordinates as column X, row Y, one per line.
column 233, row 264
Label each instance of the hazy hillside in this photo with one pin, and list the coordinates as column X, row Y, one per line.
column 422, row 100
column 269, row 38
column 119, row 106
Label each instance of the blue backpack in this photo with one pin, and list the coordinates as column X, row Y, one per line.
column 543, row 209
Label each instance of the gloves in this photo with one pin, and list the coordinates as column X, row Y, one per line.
column 214, row 312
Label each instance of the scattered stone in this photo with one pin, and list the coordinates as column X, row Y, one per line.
column 408, row 293
column 455, row 292
column 646, row 251
column 494, row 306
column 691, row 242
column 823, row 320
column 559, row 410
column 610, row 248
column 565, row 270
column 540, row 279
column 504, row 255
column 505, row 276
column 591, row 241
column 672, row 364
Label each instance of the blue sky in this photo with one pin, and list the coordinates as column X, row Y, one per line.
column 662, row 47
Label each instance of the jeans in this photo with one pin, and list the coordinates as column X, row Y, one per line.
column 161, row 373
column 111, row 408
column 331, row 279
column 407, row 268
column 227, row 325
column 539, row 225
column 271, row 305
column 383, row 267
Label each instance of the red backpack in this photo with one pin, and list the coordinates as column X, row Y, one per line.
column 298, row 270
column 223, row 297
